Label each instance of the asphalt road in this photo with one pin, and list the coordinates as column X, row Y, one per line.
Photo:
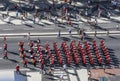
column 111, row 42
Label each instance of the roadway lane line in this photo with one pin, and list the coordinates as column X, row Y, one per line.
column 1, row 58
column 28, row 28
column 49, row 28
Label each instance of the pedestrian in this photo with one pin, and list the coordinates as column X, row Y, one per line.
column 34, row 62
column 96, row 22
column 81, row 34
column 40, row 17
column 28, row 36
column 61, row 77
column 108, row 15
column 59, row 34
column 7, row 10
column 17, row 69
column 64, row 67
column 99, row 12
column 17, row 13
column 70, row 31
column 4, row 39
column 95, row 33
column 55, row 20
column 89, row 73
column 117, row 26
column 104, row 68
column 3, row 16
column 34, row 19
column 5, row 55
column 38, row 41
column 50, row 71
column 42, row 66
column 22, row 19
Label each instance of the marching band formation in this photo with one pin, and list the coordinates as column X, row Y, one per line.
column 76, row 52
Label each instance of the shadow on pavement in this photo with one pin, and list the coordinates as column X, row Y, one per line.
column 12, row 60
column 14, row 53
column 65, row 39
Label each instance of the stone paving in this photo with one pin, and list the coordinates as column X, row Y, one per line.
column 97, row 73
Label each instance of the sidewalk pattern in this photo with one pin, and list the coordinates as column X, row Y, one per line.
column 17, row 21
column 97, row 73
column 70, row 75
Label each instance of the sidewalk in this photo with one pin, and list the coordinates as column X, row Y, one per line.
column 97, row 73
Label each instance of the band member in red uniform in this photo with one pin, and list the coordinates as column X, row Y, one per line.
column 34, row 62
column 25, row 63
column 5, row 55
column 24, row 56
column 18, row 69
column 31, row 51
column 5, row 46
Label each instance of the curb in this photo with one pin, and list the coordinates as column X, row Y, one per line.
column 93, row 33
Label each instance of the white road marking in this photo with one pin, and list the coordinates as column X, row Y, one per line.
column 48, row 28
column 1, row 58
column 8, row 29
column 28, row 28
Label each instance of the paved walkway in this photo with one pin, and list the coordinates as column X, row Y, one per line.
column 97, row 73
column 17, row 21
column 70, row 75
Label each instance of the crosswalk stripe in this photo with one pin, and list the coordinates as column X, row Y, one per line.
column 34, row 76
column 57, row 73
column 83, row 74
column 72, row 75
